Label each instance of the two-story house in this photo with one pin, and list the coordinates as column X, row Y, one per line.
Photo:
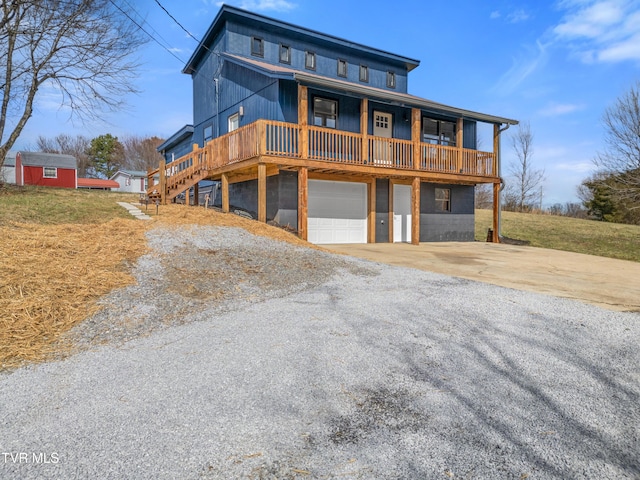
column 320, row 133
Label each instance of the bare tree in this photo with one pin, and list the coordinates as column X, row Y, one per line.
column 527, row 181
column 619, row 163
column 141, row 153
column 484, row 196
column 81, row 49
column 76, row 146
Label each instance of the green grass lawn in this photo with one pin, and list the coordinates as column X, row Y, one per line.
column 563, row 233
column 54, row 206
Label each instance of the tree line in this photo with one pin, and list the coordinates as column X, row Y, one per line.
column 611, row 194
column 104, row 155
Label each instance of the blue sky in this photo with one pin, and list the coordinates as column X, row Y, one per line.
column 556, row 64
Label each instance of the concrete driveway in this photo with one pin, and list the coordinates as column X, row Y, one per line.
column 608, row 283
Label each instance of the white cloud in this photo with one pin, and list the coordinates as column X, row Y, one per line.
column 556, row 109
column 495, row 14
column 517, row 16
column 261, row 5
column 522, row 68
column 601, row 30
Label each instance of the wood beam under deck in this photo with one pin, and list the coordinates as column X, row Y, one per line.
column 303, row 203
column 262, row 193
column 415, row 211
column 236, row 170
column 224, row 190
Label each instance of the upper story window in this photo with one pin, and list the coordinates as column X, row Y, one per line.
column 310, row 60
column 391, row 80
column 285, row 54
column 325, row 112
column 342, row 68
column 257, row 46
column 234, row 122
column 50, row 172
column 208, row 133
column 438, row 132
column 364, row 73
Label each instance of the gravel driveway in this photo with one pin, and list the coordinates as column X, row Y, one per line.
column 237, row 356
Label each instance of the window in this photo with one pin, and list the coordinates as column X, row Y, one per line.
column 257, row 47
column 364, row 73
column 208, row 133
column 309, row 60
column 391, row 80
column 443, row 200
column 50, row 172
column 285, row 54
column 234, row 122
column 342, row 68
column 438, row 132
column 325, row 112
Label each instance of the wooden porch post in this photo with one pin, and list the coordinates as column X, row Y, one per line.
column 415, row 137
column 187, row 194
column 496, row 186
column 364, row 128
column 415, row 211
column 262, row 192
column 225, row 192
column 163, row 182
column 196, row 194
column 371, row 211
column 496, row 212
column 303, row 115
column 303, row 202
column 459, row 144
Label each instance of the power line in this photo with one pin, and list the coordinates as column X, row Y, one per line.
column 182, row 27
column 177, row 22
column 148, row 34
column 144, row 20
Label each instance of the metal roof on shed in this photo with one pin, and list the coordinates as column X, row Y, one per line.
column 39, row 159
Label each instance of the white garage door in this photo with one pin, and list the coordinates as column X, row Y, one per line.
column 337, row 212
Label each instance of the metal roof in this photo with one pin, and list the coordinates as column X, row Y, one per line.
column 39, row 159
column 179, row 136
column 404, row 99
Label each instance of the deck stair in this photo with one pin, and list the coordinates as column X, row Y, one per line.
column 175, row 183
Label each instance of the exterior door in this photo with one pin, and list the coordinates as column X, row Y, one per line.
column 382, row 127
column 233, row 124
column 401, row 213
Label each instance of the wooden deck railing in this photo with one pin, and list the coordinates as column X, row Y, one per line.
column 290, row 140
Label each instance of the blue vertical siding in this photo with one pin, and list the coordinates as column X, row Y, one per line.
column 239, row 43
column 469, row 135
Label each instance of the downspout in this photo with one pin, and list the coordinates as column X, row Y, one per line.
column 502, row 184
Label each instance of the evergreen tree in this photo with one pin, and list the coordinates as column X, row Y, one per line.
column 106, row 156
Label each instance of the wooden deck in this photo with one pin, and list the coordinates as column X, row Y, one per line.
column 291, row 146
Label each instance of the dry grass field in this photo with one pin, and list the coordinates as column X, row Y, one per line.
column 604, row 239
column 61, row 250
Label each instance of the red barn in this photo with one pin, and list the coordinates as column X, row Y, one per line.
column 46, row 169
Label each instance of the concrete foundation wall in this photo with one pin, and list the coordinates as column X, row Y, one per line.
column 282, row 198
column 458, row 225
